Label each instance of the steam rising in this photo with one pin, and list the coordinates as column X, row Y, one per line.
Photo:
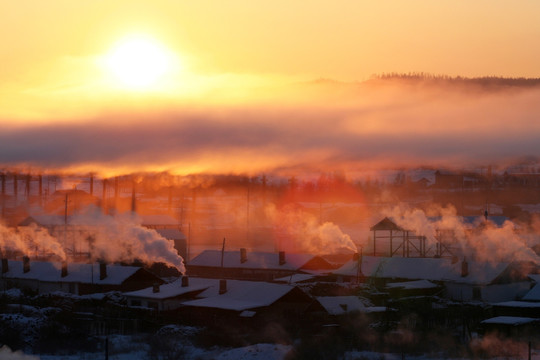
column 301, row 232
column 29, row 240
column 114, row 239
column 122, row 238
column 485, row 242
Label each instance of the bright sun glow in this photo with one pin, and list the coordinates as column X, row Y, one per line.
column 139, row 62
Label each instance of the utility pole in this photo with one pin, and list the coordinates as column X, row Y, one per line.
column 66, row 220
column 247, row 211
column 222, row 252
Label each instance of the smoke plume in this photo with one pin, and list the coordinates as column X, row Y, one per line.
column 29, row 240
column 122, row 238
column 300, row 231
column 483, row 241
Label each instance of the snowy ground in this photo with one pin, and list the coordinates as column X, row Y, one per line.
column 253, row 352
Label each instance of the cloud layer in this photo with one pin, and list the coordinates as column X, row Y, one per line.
column 321, row 125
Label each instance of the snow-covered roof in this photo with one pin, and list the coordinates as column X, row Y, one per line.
column 435, row 269
column 519, row 304
column 173, row 289
column 509, row 320
column 339, row 305
column 533, row 294
column 535, row 278
column 398, row 268
column 295, row 278
column 172, row 234
column 479, row 272
column 410, row 285
column 255, row 260
column 241, row 295
column 77, row 272
column 160, row 220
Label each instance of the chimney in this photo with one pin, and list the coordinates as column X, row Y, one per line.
column 102, row 270
column 243, row 255
column 5, row 266
column 64, row 269
column 282, row 258
column 222, row 286
column 185, row 281
column 464, row 268
column 26, row 264
column 155, row 288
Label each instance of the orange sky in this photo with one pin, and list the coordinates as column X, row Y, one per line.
column 247, row 62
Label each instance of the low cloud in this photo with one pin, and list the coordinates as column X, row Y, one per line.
column 316, row 126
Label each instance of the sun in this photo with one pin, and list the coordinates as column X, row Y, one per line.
column 138, row 62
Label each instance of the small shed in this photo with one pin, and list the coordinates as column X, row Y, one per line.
column 518, row 308
column 514, row 326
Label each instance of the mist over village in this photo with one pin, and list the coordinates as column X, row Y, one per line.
column 269, row 180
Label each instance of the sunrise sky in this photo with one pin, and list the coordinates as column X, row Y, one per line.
column 230, row 86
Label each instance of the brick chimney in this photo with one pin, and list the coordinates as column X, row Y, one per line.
column 185, row 281
column 102, row 270
column 5, row 266
column 155, row 288
column 64, row 271
column 243, row 255
column 26, row 264
column 222, row 286
column 464, row 268
column 282, row 258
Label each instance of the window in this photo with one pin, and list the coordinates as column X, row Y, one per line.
column 153, row 305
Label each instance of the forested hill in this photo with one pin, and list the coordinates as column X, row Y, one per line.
column 485, row 81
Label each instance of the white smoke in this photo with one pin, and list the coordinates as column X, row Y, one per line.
column 305, row 234
column 482, row 241
column 123, row 238
column 29, row 240
column 110, row 238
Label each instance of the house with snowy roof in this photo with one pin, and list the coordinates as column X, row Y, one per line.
column 264, row 266
column 462, row 280
column 75, row 278
column 248, row 299
column 527, row 306
column 490, row 282
column 169, row 296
